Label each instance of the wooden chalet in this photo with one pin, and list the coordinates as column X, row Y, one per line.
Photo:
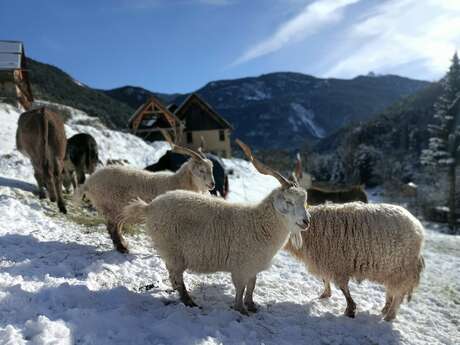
column 199, row 125
column 150, row 117
column 204, row 126
column 14, row 77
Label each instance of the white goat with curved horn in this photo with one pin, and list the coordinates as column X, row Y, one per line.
column 205, row 234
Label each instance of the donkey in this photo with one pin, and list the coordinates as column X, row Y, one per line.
column 41, row 137
column 337, row 195
column 321, row 194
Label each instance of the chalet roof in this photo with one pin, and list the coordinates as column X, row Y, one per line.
column 172, row 107
column 160, row 109
column 10, row 55
column 181, row 111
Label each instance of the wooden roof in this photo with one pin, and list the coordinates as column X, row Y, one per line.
column 153, row 106
column 181, row 112
column 11, row 55
column 13, row 68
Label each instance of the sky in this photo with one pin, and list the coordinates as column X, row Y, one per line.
column 180, row 45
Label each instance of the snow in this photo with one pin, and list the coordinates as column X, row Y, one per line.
column 305, row 118
column 254, row 91
column 79, row 83
column 62, row 282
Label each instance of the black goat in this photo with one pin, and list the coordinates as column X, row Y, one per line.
column 81, row 157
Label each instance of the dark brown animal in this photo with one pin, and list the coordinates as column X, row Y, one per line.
column 321, row 195
column 41, row 137
column 81, row 158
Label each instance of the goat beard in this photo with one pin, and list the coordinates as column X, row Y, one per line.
column 296, row 240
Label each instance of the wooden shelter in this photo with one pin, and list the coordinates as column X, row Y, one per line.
column 150, row 117
column 14, row 77
column 204, row 126
column 194, row 123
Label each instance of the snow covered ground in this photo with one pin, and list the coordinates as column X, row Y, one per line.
column 62, row 282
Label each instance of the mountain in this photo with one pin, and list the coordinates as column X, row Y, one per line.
column 277, row 110
column 52, row 84
column 388, row 146
column 399, row 129
column 285, row 110
column 134, row 96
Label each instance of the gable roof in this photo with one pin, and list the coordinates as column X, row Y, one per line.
column 11, row 53
column 152, row 106
column 181, row 112
column 13, row 68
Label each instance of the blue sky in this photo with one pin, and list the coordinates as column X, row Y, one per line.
column 180, row 45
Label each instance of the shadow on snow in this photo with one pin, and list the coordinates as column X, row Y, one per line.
column 18, row 184
column 35, row 259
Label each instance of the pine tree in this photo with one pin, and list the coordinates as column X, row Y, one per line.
column 444, row 143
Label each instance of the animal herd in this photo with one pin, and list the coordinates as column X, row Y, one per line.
column 191, row 229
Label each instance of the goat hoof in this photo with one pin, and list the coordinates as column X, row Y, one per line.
column 389, row 317
column 63, row 209
column 242, row 311
column 122, row 249
column 251, row 307
column 190, row 303
column 350, row 313
column 325, row 295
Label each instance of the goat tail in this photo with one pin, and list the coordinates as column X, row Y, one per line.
column 134, row 212
column 419, row 269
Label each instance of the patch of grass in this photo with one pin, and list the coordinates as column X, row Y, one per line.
column 87, row 216
column 85, row 219
column 83, row 214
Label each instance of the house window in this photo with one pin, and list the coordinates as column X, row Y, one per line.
column 189, row 138
column 222, row 135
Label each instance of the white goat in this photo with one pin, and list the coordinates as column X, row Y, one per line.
column 111, row 188
column 206, row 234
column 378, row 242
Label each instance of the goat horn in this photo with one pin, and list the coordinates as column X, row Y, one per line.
column 263, row 169
column 202, row 154
column 167, row 137
column 180, row 149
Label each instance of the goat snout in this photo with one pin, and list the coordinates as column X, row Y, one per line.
column 305, row 222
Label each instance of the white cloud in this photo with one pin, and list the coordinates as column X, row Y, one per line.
column 402, row 35
column 309, row 21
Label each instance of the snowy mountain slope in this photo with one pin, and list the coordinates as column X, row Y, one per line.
column 62, row 283
column 260, row 108
column 305, row 118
